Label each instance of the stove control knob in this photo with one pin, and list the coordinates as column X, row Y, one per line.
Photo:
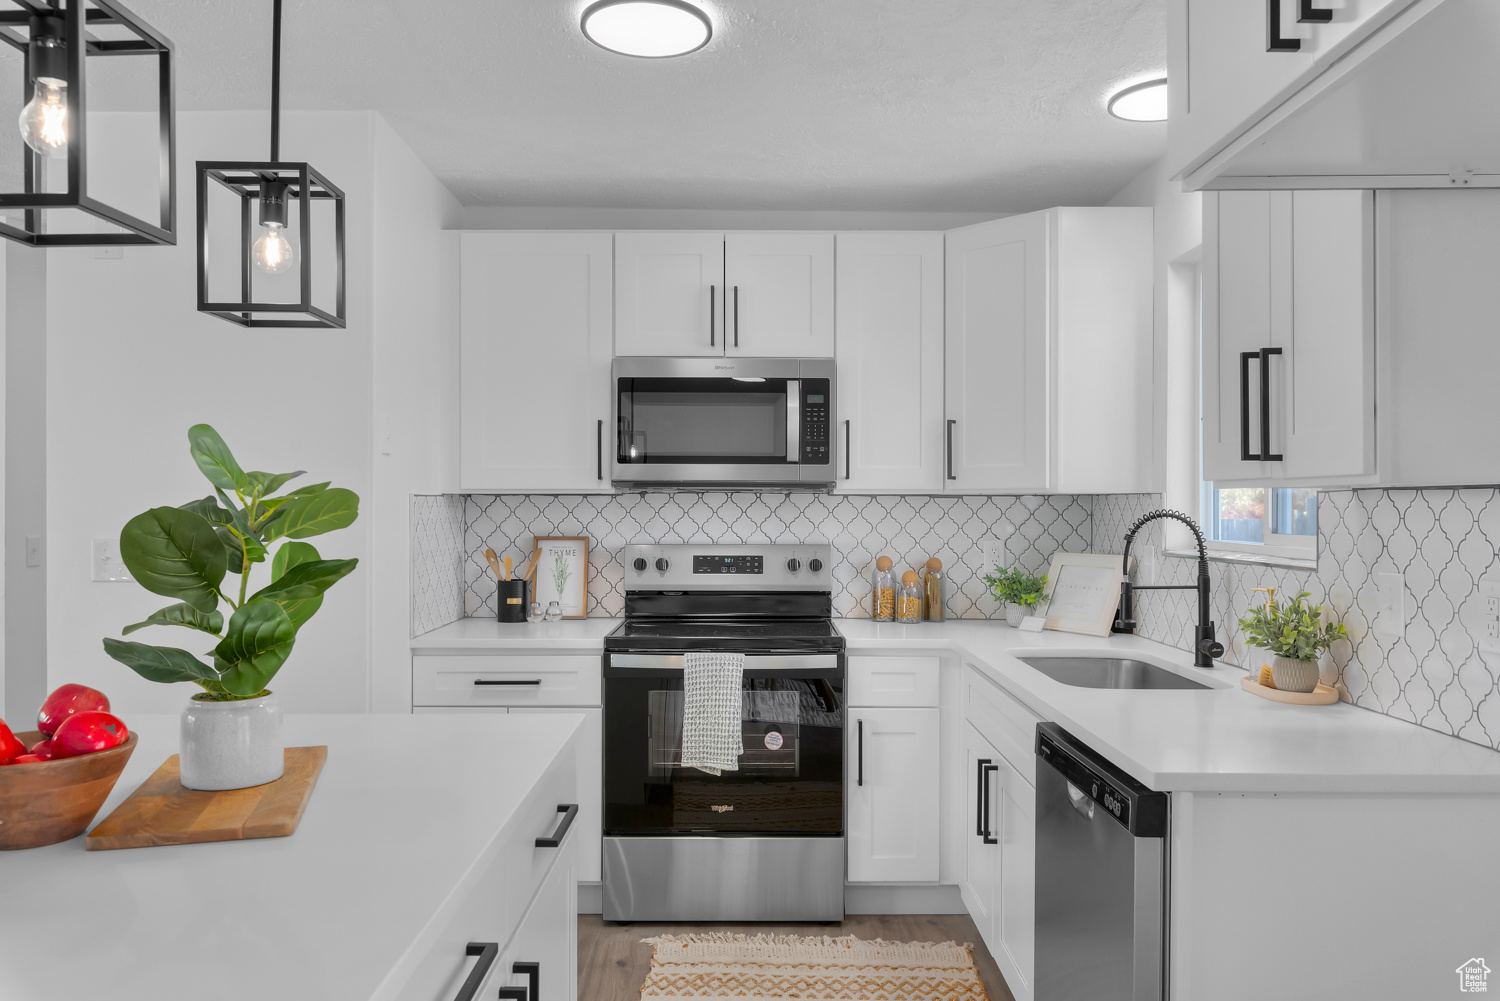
column 662, row 564
column 794, row 565
column 640, row 564
column 815, row 565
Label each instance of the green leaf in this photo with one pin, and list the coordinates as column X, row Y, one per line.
column 215, row 459
column 258, row 642
column 313, row 514
column 311, row 488
column 277, row 505
column 306, row 580
column 268, row 483
column 181, row 614
column 160, row 663
column 175, row 553
column 223, row 518
column 290, row 554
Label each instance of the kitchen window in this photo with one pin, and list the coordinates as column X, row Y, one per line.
column 1275, row 522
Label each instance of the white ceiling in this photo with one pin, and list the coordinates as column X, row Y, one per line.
column 928, row 105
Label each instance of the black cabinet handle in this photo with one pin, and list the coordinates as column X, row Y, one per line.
column 846, row 450
column 1246, row 357
column 713, row 309
column 1318, row 15
column 599, row 451
column 1265, row 405
column 533, row 974
column 513, row 994
column 1274, row 41
column 950, row 450
column 736, row 316
column 570, row 814
column 507, row 681
column 861, row 755
column 487, row 952
column 979, row 810
column 989, row 837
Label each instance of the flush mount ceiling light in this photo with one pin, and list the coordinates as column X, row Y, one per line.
column 650, row 28
column 1140, row 102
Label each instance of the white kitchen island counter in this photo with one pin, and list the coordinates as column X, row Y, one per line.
column 359, row 903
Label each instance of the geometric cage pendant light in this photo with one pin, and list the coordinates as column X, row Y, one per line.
column 60, row 39
column 271, row 240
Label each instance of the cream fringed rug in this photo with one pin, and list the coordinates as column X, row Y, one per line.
column 727, row 965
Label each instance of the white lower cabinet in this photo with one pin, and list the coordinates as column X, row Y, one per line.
column 893, row 795
column 590, row 789
column 544, row 951
column 999, row 887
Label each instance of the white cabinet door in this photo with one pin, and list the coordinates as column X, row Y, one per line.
column 780, row 302
column 981, row 885
column 893, row 795
column 998, row 365
column 1013, row 821
column 548, row 935
column 669, row 294
column 890, row 356
column 535, row 317
column 588, row 829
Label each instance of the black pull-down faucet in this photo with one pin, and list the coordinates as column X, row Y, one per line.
column 1205, row 645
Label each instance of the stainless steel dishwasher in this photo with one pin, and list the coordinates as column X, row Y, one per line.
column 1101, row 877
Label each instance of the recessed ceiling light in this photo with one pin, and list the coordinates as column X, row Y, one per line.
column 1141, row 102
column 649, row 28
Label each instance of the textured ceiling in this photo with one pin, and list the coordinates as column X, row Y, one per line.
column 827, row 104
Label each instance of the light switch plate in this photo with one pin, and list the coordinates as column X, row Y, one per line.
column 1390, row 615
column 107, row 563
column 1489, row 636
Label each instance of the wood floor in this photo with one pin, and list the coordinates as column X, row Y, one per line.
column 612, row 961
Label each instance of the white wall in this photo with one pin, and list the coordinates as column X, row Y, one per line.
column 131, row 365
column 26, row 469
column 415, row 398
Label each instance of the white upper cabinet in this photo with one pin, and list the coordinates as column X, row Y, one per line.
column 889, row 429
column 780, row 295
column 669, row 294
column 1048, row 353
column 1289, row 337
column 535, row 333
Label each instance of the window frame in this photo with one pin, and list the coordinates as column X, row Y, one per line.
column 1276, row 546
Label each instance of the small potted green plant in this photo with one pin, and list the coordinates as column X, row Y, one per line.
column 1018, row 591
column 1296, row 635
column 231, row 730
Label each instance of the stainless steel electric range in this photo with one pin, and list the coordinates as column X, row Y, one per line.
column 764, row 842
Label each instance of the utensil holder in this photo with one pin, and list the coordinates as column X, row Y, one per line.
column 512, row 598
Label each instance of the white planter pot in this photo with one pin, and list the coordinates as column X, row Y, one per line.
column 1014, row 613
column 232, row 745
column 1294, row 675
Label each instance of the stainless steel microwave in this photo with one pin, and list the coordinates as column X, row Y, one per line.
column 723, row 422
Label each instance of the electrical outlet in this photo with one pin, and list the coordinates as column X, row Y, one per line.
column 994, row 553
column 107, row 562
column 1489, row 637
column 1390, row 614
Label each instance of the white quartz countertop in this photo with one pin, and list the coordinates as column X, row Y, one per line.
column 404, row 807
column 487, row 634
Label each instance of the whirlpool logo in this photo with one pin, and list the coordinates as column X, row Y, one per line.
column 722, row 808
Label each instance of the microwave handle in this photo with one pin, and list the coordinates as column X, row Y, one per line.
column 793, row 420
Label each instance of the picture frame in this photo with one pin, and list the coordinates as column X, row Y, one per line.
column 561, row 573
column 1083, row 592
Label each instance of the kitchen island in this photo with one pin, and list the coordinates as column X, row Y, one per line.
column 419, row 838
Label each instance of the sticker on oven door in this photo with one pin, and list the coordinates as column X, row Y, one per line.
column 773, row 740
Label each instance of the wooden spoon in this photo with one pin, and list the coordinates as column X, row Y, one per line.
column 489, row 555
column 507, row 562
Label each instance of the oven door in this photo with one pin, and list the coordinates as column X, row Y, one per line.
column 790, row 776
column 722, row 421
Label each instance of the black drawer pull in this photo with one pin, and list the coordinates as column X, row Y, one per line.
column 570, row 814
column 979, row 811
column 989, row 836
column 487, row 952
column 861, row 755
column 1306, row 12
column 507, row 681
column 533, row 974
column 1274, row 40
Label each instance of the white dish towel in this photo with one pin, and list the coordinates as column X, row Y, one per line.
column 712, row 738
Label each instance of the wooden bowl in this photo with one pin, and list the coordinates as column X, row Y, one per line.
column 45, row 802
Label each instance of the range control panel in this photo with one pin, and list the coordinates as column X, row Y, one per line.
column 815, row 443
column 806, row 567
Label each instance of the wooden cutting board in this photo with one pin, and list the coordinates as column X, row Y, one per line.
column 165, row 812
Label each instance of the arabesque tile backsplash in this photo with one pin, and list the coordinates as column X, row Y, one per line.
column 1427, row 670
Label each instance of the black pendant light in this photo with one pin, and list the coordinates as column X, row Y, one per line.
column 272, row 187
column 59, row 39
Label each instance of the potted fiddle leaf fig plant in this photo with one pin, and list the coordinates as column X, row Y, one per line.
column 231, row 730
column 1296, row 635
column 1018, row 591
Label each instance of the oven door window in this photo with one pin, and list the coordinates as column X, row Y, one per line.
column 789, row 779
column 702, row 421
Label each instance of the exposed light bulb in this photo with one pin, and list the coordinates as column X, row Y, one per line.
column 273, row 253
column 44, row 119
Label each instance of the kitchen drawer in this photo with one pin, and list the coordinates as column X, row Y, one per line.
column 505, row 680
column 1003, row 720
column 495, row 896
column 899, row 682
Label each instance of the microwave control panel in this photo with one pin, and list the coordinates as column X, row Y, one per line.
column 815, row 419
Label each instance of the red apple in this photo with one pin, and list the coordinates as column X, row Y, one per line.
column 26, row 759
column 43, row 749
column 87, row 732
column 10, row 747
column 66, row 700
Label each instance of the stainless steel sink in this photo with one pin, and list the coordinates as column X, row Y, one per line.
column 1108, row 672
